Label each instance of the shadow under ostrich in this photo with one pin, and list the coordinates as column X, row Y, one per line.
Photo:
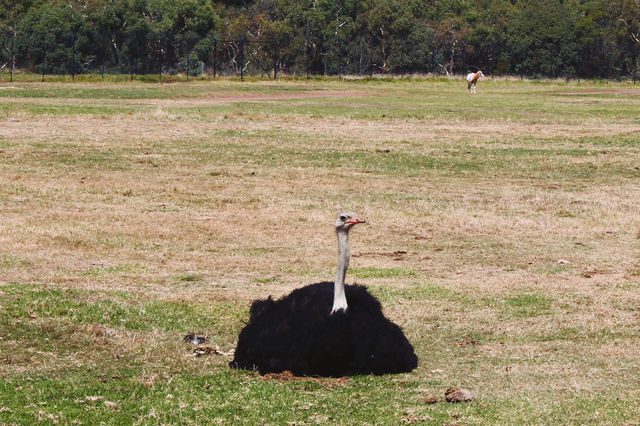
column 313, row 331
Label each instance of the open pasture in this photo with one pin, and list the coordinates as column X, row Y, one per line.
column 503, row 235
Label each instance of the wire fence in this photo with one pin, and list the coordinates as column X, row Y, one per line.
column 266, row 57
column 72, row 54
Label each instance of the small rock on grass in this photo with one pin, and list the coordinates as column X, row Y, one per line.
column 456, row 394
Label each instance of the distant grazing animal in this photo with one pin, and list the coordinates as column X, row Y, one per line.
column 472, row 79
column 324, row 329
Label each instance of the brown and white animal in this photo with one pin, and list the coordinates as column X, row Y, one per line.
column 472, row 79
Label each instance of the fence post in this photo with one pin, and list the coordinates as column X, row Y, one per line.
column 371, row 58
column 635, row 50
column 339, row 65
column 242, row 58
column 160, row 59
column 104, row 54
column 307, row 36
column 73, row 56
column 276, row 57
column 44, row 53
column 13, row 58
column 360, row 57
column 215, row 51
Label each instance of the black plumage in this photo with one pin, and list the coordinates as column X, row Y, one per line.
column 298, row 333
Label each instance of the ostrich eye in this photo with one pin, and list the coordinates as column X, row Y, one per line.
column 343, row 218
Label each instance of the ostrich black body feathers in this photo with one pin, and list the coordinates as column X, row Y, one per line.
column 296, row 333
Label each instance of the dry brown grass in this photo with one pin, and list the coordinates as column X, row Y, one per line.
column 165, row 192
column 159, row 194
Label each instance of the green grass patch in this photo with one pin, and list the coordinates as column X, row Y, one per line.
column 8, row 261
column 255, row 251
column 188, row 278
column 523, row 305
column 63, row 109
column 117, row 397
column 266, row 280
column 225, row 396
column 130, row 268
column 415, row 291
column 553, row 269
column 37, row 303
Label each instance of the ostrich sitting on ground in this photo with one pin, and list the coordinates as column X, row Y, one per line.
column 472, row 79
column 324, row 329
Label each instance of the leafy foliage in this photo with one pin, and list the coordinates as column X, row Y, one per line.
column 552, row 38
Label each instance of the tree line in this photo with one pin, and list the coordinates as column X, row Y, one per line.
column 541, row 38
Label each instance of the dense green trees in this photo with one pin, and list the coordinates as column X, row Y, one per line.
column 542, row 39
column 54, row 33
column 551, row 38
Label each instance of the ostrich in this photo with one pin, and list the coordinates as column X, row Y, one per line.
column 472, row 79
column 313, row 331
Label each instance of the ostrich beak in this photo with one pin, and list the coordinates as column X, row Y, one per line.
column 356, row 220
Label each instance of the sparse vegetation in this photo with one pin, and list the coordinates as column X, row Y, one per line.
column 371, row 272
column 502, row 235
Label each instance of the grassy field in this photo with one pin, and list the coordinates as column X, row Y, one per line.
column 503, row 235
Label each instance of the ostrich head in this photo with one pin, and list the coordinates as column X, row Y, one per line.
column 344, row 222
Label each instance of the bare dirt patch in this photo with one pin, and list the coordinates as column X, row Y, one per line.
column 211, row 100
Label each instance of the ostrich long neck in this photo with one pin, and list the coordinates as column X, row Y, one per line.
column 339, row 298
